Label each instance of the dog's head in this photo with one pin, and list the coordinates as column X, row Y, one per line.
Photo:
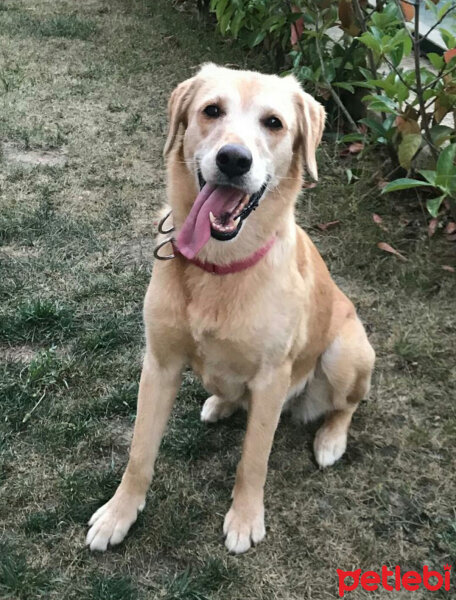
column 243, row 131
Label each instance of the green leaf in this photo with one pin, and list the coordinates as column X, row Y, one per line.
column 257, row 39
column 443, row 8
column 440, row 134
column 428, row 94
column 351, row 137
column 428, row 175
column 224, row 22
column 436, row 60
column 220, row 8
column 407, row 43
column 374, row 125
column 367, row 74
column 305, row 73
column 369, row 40
column 388, row 123
column 236, row 23
column 401, row 91
column 403, row 184
column 448, row 37
column 363, row 84
column 381, row 104
column 330, row 71
column 446, row 169
column 396, row 55
column 445, row 164
column 408, row 148
column 433, row 205
column 345, row 86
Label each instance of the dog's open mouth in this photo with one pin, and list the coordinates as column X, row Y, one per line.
column 218, row 212
column 227, row 220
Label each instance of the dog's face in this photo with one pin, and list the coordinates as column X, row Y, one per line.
column 241, row 132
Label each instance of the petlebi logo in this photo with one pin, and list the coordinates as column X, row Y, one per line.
column 395, row 580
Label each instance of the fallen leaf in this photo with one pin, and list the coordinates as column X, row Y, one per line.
column 432, row 227
column 381, row 183
column 356, row 147
column 353, row 148
column 325, row 226
column 379, row 221
column 449, row 54
column 387, row 248
column 450, row 228
column 448, row 268
column 451, row 238
column 309, row 185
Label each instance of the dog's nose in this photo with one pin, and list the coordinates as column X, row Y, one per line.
column 234, row 160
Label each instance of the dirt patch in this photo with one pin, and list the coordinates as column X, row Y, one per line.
column 16, row 353
column 12, row 153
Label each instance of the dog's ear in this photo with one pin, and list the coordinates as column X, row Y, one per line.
column 311, row 122
column 177, row 110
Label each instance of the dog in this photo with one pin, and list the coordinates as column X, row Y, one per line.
column 245, row 299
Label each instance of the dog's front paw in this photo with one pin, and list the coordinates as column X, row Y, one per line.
column 329, row 445
column 242, row 528
column 215, row 409
column 111, row 522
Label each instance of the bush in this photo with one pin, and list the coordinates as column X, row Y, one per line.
column 360, row 74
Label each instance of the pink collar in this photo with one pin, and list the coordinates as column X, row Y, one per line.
column 234, row 267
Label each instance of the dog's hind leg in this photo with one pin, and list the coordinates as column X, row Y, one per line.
column 347, row 364
column 216, row 408
column 225, row 402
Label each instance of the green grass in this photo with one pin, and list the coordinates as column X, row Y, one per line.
column 111, row 588
column 60, row 26
column 90, row 82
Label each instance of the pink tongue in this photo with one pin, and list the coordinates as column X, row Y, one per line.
column 196, row 230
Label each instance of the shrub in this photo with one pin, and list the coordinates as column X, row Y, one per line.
column 403, row 108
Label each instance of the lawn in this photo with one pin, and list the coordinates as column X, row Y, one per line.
column 83, row 92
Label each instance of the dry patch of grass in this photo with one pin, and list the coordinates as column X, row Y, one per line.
column 89, row 83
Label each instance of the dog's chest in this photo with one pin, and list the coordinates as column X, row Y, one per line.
column 233, row 340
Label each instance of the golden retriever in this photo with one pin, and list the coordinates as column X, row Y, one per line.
column 247, row 300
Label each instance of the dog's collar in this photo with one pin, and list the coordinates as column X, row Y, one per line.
column 234, row 267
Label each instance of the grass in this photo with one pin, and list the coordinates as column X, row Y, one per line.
column 90, row 83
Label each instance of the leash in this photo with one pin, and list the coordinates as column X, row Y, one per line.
column 234, row 267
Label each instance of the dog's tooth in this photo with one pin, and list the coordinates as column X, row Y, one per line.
column 211, row 217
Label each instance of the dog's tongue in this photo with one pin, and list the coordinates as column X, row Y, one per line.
column 196, row 229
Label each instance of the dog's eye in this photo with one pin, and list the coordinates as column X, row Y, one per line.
column 213, row 111
column 273, row 123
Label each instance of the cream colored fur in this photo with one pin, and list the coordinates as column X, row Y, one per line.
column 277, row 334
